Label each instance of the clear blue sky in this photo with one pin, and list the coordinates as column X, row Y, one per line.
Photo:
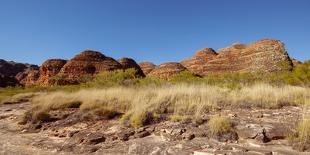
column 155, row 30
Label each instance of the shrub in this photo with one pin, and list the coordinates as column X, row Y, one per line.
column 218, row 125
column 302, row 72
column 185, row 76
column 114, row 78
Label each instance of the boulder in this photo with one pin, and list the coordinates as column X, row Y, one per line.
column 167, row 70
column 147, row 67
column 262, row 56
column 130, row 63
column 89, row 62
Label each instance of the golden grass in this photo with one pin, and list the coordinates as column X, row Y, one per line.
column 219, row 125
column 140, row 105
column 302, row 135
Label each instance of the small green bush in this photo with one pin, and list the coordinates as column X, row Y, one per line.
column 185, row 76
column 114, row 78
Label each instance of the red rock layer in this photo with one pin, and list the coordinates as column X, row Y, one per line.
column 147, row 67
column 195, row 64
column 89, row 62
column 167, row 70
column 49, row 69
column 261, row 56
column 130, row 63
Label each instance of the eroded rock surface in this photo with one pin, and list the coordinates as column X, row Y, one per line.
column 49, row 69
column 262, row 56
column 130, row 63
column 69, row 133
column 13, row 73
column 89, row 62
column 147, row 67
column 167, row 70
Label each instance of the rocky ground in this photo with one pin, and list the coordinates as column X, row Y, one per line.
column 255, row 131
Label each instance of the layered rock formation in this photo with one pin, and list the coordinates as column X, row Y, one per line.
column 49, row 69
column 13, row 73
column 89, row 62
column 195, row 64
column 261, row 56
column 167, row 70
column 147, row 67
column 130, row 63
column 296, row 62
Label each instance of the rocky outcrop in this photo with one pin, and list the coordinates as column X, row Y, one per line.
column 296, row 62
column 130, row 63
column 167, row 70
column 147, row 67
column 262, row 56
column 13, row 73
column 29, row 77
column 195, row 64
column 89, row 62
column 49, row 69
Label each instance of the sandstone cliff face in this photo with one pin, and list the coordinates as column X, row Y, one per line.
column 89, row 62
column 195, row 64
column 49, row 69
column 261, row 56
column 296, row 62
column 147, row 67
column 167, row 70
column 130, row 63
column 12, row 73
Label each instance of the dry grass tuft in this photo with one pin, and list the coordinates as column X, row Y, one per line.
column 302, row 136
column 218, row 125
column 142, row 105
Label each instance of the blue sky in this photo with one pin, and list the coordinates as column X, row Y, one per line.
column 154, row 30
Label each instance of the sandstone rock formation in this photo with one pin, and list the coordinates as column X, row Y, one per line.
column 89, row 62
column 147, row 67
column 201, row 57
column 49, row 69
column 261, row 56
column 29, row 77
column 167, row 70
column 12, row 73
column 130, row 63
column 296, row 62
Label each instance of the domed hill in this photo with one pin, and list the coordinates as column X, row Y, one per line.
column 296, row 62
column 147, row 67
column 89, row 62
column 262, row 56
column 195, row 64
column 167, row 70
column 130, row 63
column 49, row 69
column 13, row 73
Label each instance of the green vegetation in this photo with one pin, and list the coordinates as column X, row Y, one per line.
column 300, row 76
column 140, row 101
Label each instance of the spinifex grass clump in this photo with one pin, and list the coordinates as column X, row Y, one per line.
column 145, row 104
column 219, row 125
